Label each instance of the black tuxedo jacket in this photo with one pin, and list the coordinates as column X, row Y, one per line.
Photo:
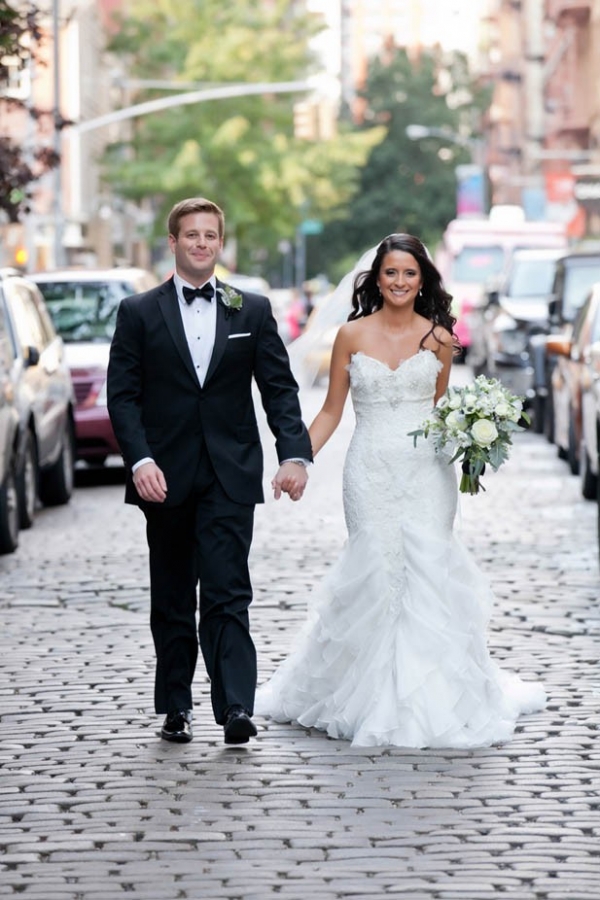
column 158, row 408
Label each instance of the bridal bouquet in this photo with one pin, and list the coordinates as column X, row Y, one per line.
column 475, row 424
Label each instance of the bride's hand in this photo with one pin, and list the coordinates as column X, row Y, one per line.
column 290, row 479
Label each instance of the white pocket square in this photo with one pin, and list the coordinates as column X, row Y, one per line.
column 241, row 334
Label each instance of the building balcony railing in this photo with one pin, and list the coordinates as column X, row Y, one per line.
column 576, row 10
column 570, row 119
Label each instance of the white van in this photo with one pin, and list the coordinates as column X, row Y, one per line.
column 473, row 251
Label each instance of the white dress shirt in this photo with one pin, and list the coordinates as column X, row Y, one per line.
column 199, row 323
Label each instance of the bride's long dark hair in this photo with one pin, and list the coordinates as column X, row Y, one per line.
column 434, row 302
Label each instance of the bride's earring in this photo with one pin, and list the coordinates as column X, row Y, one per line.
column 420, row 292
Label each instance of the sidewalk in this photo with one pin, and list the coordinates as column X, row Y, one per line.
column 94, row 806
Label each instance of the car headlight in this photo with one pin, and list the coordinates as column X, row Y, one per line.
column 508, row 337
column 513, row 343
column 101, row 398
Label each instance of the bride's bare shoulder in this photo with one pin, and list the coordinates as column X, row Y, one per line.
column 437, row 335
column 351, row 334
column 351, row 337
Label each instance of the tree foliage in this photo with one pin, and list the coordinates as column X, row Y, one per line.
column 241, row 152
column 20, row 167
column 406, row 185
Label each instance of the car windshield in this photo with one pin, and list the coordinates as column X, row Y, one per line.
column 476, row 264
column 531, row 278
column 84, row 310
column 578, row 281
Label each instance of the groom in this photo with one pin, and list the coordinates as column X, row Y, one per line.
column 182, row 362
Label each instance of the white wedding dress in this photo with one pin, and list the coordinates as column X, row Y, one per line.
column 394, row 648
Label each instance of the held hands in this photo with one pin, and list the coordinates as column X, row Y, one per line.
column 150, row 483
column 291, row 478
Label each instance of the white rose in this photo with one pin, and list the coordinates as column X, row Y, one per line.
column 503, row 410
column 456, row 421
column 484, row 432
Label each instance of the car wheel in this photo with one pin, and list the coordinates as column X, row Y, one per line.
column 598, row 503
column 479, row 369
column 549, row 418
column 572, row 457
column 589, row 485
column 94, row 462
column 56, row 484
column 27, row 482
column 9, row 514
column 539, row 410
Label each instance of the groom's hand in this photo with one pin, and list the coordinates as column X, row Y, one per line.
column 291, row 478
column 150, row 483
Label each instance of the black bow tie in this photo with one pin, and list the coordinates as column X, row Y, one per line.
column 207, row 291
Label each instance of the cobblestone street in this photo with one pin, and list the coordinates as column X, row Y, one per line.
column 94, row 806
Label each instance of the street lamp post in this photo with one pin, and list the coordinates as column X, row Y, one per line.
column 476, row 147
column 184, row 98
column 188, row 97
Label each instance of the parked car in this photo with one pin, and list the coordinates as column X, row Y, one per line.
column 516, row 313
column 570, row 380
column 44, row 398
column 474, row 251
column 589, row 447
column 575, row 274
column 83, row 304
column 9, row 443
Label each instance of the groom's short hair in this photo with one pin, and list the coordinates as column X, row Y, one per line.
column 194, row 205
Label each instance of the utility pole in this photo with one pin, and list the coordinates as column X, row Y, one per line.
column 59, row 250
column 534, row 91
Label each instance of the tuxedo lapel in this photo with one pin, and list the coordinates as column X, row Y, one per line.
column 169, row 305
column 223, row 328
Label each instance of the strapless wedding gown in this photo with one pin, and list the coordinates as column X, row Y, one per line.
column 394, row 649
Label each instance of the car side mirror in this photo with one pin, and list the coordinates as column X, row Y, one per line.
column 554, row 311
column 32, row 356
column 558, row 345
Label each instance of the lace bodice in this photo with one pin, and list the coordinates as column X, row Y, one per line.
column 387, row 479
column 408, row 390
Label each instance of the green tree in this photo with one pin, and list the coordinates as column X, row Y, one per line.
column 240, row 152
column 20, row 33
column 405, row 185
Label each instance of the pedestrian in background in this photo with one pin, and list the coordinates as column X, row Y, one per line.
column 182, row 362
column 295, row 317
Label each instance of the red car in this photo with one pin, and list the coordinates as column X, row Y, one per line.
column 83, row 304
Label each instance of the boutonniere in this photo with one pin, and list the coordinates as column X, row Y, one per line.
column 231, row 300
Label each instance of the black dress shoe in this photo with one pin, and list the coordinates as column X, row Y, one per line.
column 239, row 727
column 178, row 727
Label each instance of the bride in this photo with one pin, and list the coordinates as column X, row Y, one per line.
column 394, row 650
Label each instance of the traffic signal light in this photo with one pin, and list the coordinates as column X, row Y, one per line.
column 306, row 120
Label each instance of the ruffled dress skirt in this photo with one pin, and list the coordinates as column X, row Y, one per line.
column 394, row 648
